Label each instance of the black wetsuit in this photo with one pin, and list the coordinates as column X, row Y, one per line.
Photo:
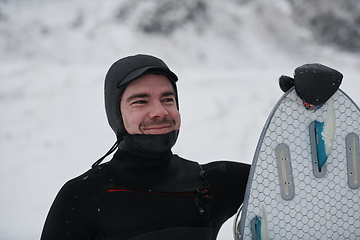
column 141, row 199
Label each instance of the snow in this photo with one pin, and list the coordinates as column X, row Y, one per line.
column 54, row 57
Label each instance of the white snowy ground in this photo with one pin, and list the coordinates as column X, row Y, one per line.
column 52, row 120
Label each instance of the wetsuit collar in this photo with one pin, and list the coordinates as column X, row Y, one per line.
column 149, row 145
column 135, row 165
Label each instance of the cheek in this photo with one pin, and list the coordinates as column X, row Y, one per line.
column 131, row 120
column 131, row 123
column 177, row 118
column 179, row 124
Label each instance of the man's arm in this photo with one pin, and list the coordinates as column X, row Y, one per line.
column 64, row 219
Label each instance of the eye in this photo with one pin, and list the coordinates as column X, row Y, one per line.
column 169, row 99
column 142, row 101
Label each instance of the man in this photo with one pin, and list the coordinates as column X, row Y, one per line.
column 145, row 191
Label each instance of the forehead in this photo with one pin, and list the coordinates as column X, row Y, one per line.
column 149, row 83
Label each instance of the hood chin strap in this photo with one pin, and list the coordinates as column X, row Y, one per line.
column 111, row 150
column 119, row 136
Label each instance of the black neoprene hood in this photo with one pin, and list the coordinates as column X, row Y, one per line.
column 120, row 74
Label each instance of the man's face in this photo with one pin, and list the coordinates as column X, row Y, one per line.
column 148, row 106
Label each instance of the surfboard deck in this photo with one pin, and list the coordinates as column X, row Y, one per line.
column 285, row 186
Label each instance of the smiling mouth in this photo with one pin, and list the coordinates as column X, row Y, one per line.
column 157, row 129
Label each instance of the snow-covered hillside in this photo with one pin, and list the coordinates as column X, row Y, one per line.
column 228, row 55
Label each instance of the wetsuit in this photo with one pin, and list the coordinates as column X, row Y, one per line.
column 145, row 192
column 138, row 198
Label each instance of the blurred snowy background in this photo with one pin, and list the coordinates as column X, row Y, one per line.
column 228, row 54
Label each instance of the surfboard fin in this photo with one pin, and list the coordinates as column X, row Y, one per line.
column 324, row 136
column 259, row 226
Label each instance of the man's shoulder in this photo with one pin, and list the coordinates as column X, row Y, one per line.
column 179, row 158
column 92, row 177
column 226, row 171
column 222, row 165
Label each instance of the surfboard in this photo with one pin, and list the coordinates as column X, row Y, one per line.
column 304, row 181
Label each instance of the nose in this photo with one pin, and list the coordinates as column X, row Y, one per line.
column 157, row 110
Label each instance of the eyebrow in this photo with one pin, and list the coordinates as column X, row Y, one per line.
column 145, row 95
column 134, row 96
column 169, row 93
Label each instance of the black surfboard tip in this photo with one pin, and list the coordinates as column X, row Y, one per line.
column 314, row 83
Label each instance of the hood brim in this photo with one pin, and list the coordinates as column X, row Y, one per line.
column 147, row 70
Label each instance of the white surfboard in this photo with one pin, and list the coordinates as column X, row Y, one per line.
column 288, row 195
